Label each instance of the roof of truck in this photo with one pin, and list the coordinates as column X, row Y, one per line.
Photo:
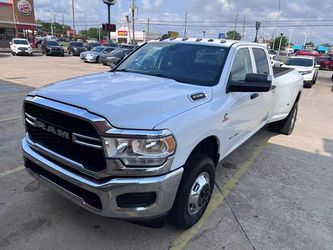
column 207, row 41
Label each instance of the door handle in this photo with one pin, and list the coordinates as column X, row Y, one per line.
column 254, row 96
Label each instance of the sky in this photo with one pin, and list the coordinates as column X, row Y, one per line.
column 296, row 18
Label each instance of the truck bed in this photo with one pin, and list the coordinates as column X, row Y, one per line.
column 279, row 71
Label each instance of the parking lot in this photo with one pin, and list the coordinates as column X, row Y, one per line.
column 274, row 192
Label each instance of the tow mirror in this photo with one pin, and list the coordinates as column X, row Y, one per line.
column 252, row 83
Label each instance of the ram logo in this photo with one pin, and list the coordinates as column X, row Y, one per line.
column 50, row 129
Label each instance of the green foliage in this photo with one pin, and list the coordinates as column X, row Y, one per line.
column 326, row 45
column 234, row 35
column 310, row 44
column 58, row 28
column 92, row 33
column 284, row 42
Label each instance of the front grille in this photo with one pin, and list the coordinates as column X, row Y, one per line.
column 87, row 196
column 91, row 158
column 23, row 49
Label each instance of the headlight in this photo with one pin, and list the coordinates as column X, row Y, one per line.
column 140, row 151
column 306, row 72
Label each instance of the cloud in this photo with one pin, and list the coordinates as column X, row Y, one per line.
column 149, row 5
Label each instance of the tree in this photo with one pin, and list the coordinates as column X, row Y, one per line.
column 310, row 44
column 92, row 33
column 284, row 42
column 58, row 28
column 325, row 44
column 232, row 34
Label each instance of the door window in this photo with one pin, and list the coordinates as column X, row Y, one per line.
column 242, row 65
column 261, row 61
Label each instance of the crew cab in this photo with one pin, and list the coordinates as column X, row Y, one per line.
column 20, row 46
column 143, row 141
column 306, row 66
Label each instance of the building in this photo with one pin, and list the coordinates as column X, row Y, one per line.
column 123, row 36
column 17, row 19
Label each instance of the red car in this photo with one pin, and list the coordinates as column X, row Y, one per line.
column 307, row 52
column 326, row 63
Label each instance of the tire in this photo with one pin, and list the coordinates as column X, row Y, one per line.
column 308, row 85
column 287, row 125
column 69, row 53
column 198, row 169
column 98, row 59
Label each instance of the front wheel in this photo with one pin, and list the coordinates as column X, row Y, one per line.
column 194, row 192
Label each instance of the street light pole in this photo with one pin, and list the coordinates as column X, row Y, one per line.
column 73, row 15
column 305, row 36
column 291, row 33
column 109, row 21
column 281, row 35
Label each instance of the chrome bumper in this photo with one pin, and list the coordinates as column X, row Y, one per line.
column 164, row 186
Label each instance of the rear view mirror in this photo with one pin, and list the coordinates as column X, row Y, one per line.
column 252, row 83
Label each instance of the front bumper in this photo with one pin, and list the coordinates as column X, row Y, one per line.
column 165, row 187
column 308, row 77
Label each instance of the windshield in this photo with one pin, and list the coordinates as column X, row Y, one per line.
column 52, row 43
column 187, row 63
column 98, row 49
column 77, row 44
column 25, row 42
column 299, row 62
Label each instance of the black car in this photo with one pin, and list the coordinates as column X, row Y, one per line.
column 75, row 48
column 90, row 46
column 52, row 47
column 111, row 44
column 114, row 57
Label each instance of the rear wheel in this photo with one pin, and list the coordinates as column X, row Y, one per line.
column 194, row 192
column 308, row 85
column 287, row 125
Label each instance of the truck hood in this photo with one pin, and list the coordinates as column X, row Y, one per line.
column 299, row 68
column 127, row 100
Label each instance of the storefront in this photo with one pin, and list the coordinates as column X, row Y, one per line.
column 17, row 19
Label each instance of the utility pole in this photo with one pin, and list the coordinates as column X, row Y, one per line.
column 133, row 21
column 109, row 21
column 291, row 33
column 73, row 15
column 243, row 33
column 273, row 38
column 148, row 23
column 185, row 29
column 51, row 27
column 281, row 35
column 236, row 20
column 128, row 28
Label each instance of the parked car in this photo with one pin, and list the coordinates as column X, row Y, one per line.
column 94, row 55
column 275, row 61
column 143, row 141
column 91, row 45
column 307, row 52
column 129, row 46
column 76, row 48
column 19, row 46
column 115, row 57
column 306, row 66
column 52, row 47
column 109, row 44
column 326, row 63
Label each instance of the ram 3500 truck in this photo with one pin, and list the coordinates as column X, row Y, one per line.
column 142, row 141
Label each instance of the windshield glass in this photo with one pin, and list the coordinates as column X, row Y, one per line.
column 299, row 62
column 52, row 43
column 186, row 63
column 21, row 42
column 77, row 44
column 98, row 49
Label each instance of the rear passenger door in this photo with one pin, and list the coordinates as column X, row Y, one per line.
column 264, row 101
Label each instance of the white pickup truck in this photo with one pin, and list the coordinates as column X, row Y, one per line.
column 142, row 141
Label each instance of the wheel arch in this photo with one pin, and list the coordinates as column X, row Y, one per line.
column 209, row 146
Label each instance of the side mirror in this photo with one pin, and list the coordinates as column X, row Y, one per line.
column 10, row 43
column 317, row 66
column 252, row 83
